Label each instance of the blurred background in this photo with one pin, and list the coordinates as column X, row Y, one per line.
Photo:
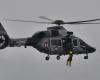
column 29, row 64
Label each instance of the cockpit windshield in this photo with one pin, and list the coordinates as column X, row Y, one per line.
column 82, row 43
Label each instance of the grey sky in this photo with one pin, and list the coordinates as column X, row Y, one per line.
column 29, row 64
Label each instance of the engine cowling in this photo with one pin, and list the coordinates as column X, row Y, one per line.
column 32, row 41
column 4, row 39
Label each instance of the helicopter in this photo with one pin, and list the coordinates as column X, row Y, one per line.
column 56, row 40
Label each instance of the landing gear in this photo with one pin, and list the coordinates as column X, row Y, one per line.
column 25, row 46
column 58, row 57
column 47, row 57
column 86, row 57
column 69, row 60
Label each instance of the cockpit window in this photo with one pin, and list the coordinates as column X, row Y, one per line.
column 54, row 33
column 56, row 42
column 82, row 43
column 75, row 43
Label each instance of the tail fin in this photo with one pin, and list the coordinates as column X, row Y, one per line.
column 2, row 30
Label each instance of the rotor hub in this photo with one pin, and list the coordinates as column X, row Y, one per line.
column 58, row 22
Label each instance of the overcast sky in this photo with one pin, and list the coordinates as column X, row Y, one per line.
column 29, row 64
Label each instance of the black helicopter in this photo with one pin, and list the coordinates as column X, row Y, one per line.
column 56, row 40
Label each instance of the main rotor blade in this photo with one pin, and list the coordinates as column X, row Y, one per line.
column 43, row 17
column 84, row 23
column 92, row 20
column 58, row 22
column 19, row 20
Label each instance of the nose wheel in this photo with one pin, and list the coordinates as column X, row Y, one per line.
column 58, row 57
column 86, row 57
column 47, row 57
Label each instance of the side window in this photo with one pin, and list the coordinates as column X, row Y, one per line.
column 56, row 42
column 54, row 33
column 75, row 42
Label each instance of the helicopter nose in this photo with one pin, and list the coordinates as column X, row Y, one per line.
column 91, row 49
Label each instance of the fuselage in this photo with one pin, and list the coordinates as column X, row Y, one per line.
column 59, row 45
column 54, row 41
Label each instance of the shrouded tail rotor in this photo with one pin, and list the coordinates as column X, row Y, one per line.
column 4, row 38
column 3, row 41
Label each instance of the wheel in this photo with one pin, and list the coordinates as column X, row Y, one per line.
column 85, row 57
column 58, row 57
column 47, row 58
